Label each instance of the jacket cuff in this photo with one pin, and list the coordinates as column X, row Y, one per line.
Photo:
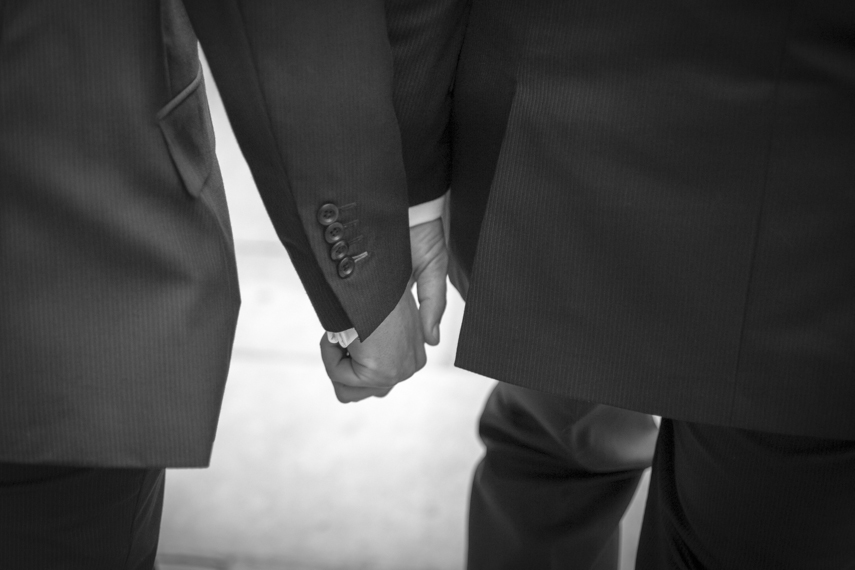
column 419, row 214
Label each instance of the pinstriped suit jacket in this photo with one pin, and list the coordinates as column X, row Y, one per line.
column 118, row 288
column 655, row 201
column 118, row 291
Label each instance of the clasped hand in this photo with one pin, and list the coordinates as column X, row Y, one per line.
column 396, row 351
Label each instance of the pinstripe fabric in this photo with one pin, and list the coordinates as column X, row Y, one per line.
column 665, row 223
column 118, row 288
column 425, row 37
column 342, row 102
column 308, row 86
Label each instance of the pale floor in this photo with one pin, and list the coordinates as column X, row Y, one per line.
column 301, row 482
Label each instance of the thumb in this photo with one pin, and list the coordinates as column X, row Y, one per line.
column 431, row 290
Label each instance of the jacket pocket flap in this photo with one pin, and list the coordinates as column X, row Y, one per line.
column 186, row 125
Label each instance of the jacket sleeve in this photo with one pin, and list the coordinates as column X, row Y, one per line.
column 308, row 87
column 426, row 37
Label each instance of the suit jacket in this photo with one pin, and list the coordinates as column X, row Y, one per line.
column 118, row 290
column 342, row 110
column 655, row 203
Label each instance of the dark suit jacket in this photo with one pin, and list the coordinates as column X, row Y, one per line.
column 118, row 290
column 653, row 200
column 320, row 94
column 656, row 201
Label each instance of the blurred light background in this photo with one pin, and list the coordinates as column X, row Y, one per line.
column 299, row 481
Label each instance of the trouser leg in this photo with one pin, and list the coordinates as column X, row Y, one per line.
column 555, row 481
column 728, row 499
column 68, row 518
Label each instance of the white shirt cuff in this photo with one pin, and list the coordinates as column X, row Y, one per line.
column 344, row 338
column 427, row 211
column 419, row 214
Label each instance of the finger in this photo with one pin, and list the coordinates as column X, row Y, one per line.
column 338, row 364
column 382, row 392
column 431, row 289
column 332, row 355
column 348, row 385
column 347, row 394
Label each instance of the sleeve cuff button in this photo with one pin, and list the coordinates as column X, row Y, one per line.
column 328, row 214
column 346, row 267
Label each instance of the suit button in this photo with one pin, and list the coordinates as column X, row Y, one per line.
column 328, row 214
column 338, row 250
column 346, row 267
column 334, row 232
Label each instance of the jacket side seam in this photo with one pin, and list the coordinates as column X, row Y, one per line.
column 773, row 129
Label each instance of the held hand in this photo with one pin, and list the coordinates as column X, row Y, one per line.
column 393, row 353
column 430, row 267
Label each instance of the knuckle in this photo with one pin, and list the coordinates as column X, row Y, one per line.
column 383, row 393
column 381, row 378
column 420, row 361
column 340, row 393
